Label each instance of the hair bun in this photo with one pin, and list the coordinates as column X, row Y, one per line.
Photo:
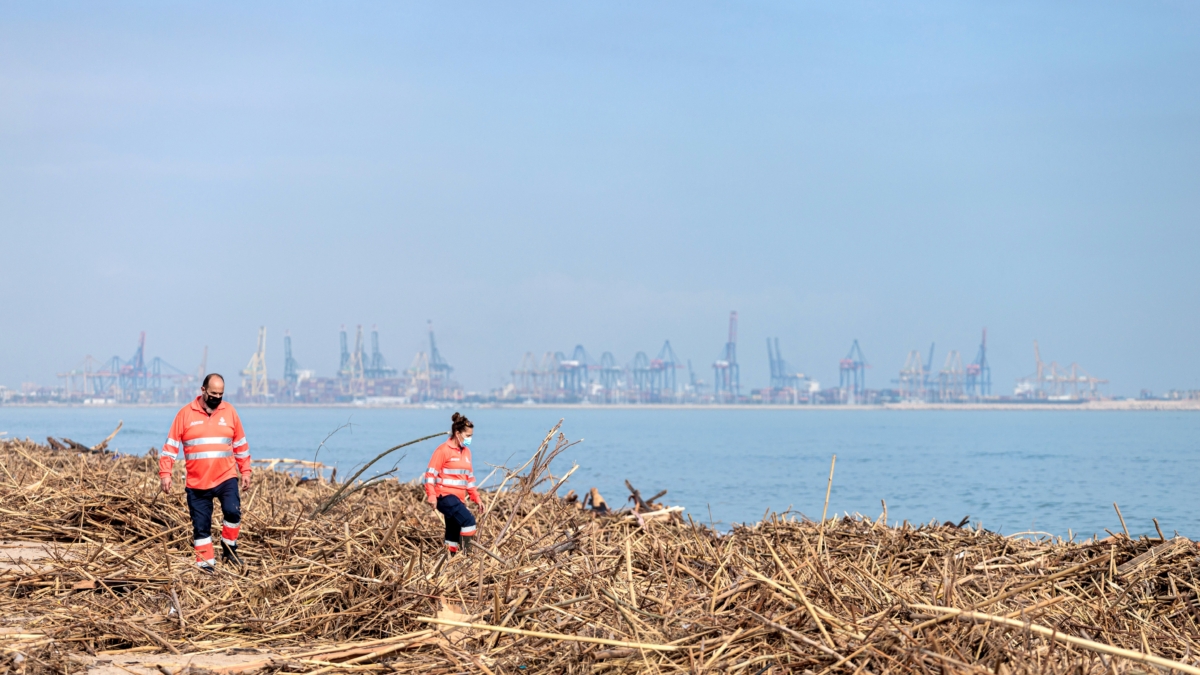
column 459, row 423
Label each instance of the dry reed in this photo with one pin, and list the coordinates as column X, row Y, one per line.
column 560, row 588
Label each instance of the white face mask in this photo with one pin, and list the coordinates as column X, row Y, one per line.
column 466, row 441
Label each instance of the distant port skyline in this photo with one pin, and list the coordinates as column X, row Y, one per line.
column 557, row 377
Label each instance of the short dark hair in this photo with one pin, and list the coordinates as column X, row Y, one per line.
column 211, row 376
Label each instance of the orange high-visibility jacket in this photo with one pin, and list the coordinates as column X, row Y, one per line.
column 214, row 446
column 450, row 473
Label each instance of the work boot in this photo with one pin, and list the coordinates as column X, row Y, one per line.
column 229, row 554
column 465, row 544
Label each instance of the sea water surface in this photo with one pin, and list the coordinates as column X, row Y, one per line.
column 1054, row 471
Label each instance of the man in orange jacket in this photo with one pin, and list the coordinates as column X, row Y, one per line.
column 209, row 432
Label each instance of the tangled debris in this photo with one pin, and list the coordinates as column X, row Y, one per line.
column 555, row 587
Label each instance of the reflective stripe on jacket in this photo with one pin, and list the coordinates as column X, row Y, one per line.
column 450, row 473
column 214, row 446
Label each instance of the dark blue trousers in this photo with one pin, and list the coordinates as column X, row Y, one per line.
column 460, row 522
column 200, row 505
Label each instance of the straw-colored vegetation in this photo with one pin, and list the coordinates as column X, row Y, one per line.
column 363, row 585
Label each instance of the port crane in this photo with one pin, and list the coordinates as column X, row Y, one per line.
column 979, row 373
column 852, row 375
column 135, row 380
column 726, row 374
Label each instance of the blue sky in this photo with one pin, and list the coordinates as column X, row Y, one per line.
column 532, row 176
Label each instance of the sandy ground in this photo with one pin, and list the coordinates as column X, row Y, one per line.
column 28, row 556
column 148, row 661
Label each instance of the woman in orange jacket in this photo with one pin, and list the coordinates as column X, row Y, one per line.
column 450, row 480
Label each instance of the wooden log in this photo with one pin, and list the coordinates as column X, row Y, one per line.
column 639, row 504
column 103, row 445
column 597, row 502
column 1161, row 552
column 661, row 513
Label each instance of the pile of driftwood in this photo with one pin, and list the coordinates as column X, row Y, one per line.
column 351, row 576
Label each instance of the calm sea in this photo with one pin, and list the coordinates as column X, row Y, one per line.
column 1014, row 471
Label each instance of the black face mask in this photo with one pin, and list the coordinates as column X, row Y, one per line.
column 212, row 401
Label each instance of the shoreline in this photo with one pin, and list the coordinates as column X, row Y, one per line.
column 1122, row 405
